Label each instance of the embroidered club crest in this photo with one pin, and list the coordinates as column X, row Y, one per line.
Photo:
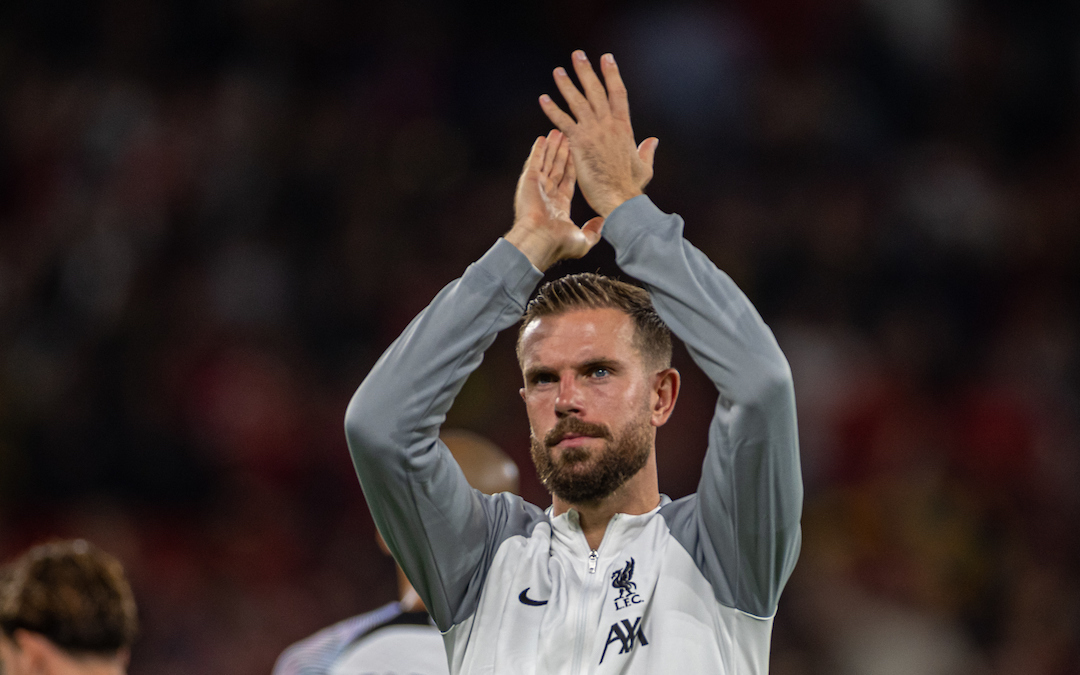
column 623, row 581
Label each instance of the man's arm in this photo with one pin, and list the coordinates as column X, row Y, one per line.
column 742, row 527
column 441, row 531
column 434, row 523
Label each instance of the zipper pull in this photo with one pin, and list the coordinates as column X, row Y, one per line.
column 593, row 557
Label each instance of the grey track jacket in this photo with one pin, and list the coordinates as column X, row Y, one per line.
column 688, row 588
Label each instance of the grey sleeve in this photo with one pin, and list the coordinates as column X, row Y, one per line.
column 442, row 532
column 742, row 527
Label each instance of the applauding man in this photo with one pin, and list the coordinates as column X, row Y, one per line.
column 613, row 577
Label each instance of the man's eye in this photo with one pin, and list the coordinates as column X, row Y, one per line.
column 601, row 372
column 543, row 378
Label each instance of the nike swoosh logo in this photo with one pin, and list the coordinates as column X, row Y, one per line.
column 526, row 600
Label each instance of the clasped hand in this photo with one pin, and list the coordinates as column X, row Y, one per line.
column 595, row 147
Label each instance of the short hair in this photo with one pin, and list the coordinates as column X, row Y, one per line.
column 652, row 337
column 72, row 593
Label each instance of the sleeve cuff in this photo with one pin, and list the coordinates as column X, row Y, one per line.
column 509, row 267
column 630, row 220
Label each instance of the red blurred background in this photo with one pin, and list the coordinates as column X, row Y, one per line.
column 215, row 215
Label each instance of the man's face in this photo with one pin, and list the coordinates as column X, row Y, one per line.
column 589, row 401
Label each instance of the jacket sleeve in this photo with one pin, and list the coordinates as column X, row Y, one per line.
column 442, row 532
column 742, row 527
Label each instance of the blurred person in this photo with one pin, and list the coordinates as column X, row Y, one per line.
column 399, row 637
column 66, row 608
column 614, row 576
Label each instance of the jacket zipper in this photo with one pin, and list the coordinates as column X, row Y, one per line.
column 583, row 612
column 586, row 593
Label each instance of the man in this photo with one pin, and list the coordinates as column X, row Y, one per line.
column 399, row 638
column 614, row 577
column 66, row 608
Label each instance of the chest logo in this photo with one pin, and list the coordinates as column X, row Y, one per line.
column 623, row 581
column 526, row 600
column 625, row 634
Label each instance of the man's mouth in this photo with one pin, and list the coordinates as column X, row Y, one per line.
column 573, row 432
column 573, row 440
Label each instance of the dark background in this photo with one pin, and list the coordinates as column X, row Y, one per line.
column 215, row 215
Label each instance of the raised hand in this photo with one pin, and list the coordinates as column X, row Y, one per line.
column 542, row 227
column 610, row 169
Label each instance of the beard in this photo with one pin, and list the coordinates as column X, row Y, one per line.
column 578, row 477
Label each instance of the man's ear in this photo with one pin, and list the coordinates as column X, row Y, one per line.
column 665, row 391
column 124, row 657
column 10, row 655
column 522, row 392
column 37, row 653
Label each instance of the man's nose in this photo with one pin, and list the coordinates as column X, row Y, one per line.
column 569, row 400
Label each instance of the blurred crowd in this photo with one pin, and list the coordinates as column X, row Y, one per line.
column 215, row 215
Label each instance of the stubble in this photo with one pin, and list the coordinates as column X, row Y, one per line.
column 583, row 477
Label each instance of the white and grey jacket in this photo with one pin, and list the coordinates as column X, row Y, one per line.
column 690, row 587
